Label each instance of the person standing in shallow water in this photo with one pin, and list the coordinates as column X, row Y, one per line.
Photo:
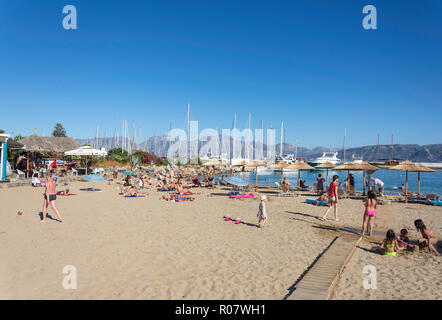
column 332, row 198
column 50, row 197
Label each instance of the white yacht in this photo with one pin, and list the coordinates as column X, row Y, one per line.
column 356, row 160
column 326, row 156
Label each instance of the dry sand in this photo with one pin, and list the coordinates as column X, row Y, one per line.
column 146, row 248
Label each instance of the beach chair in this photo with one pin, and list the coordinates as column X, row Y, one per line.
column 342, row 194
column 286, row 192
column 74, row 171
column 20, row 174
column 35, row 174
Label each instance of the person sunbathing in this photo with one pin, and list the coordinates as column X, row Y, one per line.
column 323, row 197
column 134, row 193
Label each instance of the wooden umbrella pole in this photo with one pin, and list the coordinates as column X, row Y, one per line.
column 327, row 178
column 406, row 186
column 364, row 182
column 299, row 180
column 418, row 183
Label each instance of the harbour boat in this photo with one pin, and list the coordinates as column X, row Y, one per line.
column 326, row 156
column 356, row 160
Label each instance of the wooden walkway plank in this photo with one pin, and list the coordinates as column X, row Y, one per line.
column 320, row 280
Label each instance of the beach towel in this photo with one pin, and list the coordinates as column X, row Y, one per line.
column 66, row 195
column 435, row 203
column 316, row 202
column 250, row 195
column 134, row 196
column 91, row 189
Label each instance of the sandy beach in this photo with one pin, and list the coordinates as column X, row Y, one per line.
column 146, row 248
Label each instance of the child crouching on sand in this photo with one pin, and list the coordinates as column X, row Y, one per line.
column 429, row 240
column 262, row 212
column 389, row 245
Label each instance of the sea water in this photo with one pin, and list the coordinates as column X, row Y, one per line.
column 430, row 182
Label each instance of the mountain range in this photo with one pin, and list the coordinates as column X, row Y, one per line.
column 159, row 145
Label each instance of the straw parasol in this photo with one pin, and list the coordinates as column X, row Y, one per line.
column 48, row 144
column 281, row 165
column 365, row 166
column 300, row 165
column 421, row 168
column 214, row 163
column 326, row 165
column 406, row 166
column 242, row 164
column 256, row 164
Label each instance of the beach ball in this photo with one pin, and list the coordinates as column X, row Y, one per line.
column 19, row 213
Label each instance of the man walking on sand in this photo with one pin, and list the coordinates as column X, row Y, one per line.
column 50, row 196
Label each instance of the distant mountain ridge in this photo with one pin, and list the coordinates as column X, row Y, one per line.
column 427, row 153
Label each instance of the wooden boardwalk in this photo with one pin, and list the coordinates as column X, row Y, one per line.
column 320, row 280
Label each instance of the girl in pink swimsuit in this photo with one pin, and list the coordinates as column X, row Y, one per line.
column 370, row 204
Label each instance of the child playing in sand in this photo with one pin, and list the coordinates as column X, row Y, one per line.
column 370, row 204
column 403, row 240
column 389, row 245
column 262, row 212
column 430, row 238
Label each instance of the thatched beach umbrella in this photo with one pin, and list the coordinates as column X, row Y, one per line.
column 241, row 164
column 256, row 164
column 406, row 166
column 281, row 165
column 326, row 165
column 214, row 163
column 421, row 168
column 366, row 167
column 300, row 165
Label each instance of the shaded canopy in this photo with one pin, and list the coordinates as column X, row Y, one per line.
column 256, row 163
column 48, row 144
column 214, row 163
column 326, row 165
column 407, row 166
column 86, row 151
column 349, row 166
column 240, row 164
column 12, row 144
column 423, row 168
column 281, row 165
column 366, row 166
column 300, row 165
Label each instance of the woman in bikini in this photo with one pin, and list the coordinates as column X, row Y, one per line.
column 430, row 238
column 370, row 211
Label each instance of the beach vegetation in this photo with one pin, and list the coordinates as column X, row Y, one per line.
column 59, row 130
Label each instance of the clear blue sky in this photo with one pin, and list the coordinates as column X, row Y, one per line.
column 309, row 63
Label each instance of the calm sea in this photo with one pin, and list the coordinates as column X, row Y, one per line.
column 431, row 182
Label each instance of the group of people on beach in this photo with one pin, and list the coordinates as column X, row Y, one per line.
column 391, row 245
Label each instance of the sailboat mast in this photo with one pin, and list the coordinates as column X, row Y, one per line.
column 188, row 132
column 392, row 147
column 282, row 137
column 345, row 137
column 378, row 150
